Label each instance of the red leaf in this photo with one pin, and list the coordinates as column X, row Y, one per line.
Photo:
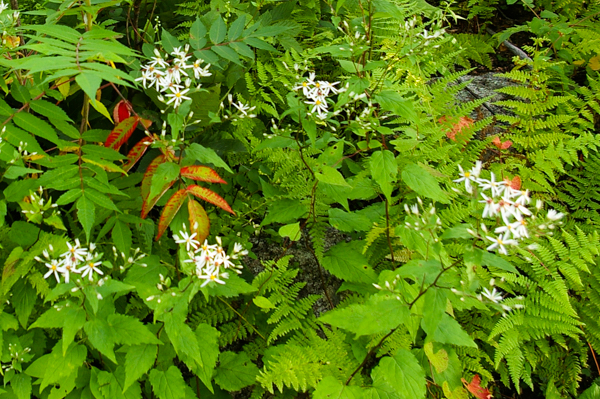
column 122, row 111
column 121, row 133
column 475, row 388
column 501, row 145
column 506, row 144
column 147, row 183
column 202, row 173
column 515, row 183
column 136, row 152
column 199, row 221
column 209, row 196
column 463, row 122
column 169, row 211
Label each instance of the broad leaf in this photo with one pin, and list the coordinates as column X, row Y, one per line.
column 170, row 210
column 423, row 183
column 199, row 221
column 376, row 316
column 206, row 155
column 121, row 133
column 131, row 331
column 86, row 214
column 147, row 183
column 201, row 173
column 384, row 171
column 102, row 336
column 138, row 361
column 402, row 372
column 122, row 237
column 209, row 196
column 235, row 371
column 168, row 384
column 346, row 261
column 218, row 30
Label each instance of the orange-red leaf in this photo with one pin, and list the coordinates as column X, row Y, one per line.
column 463, row 122
column 501, row 145
column 136, row 152
column 122, row 111
column 170, row 210
column 147, row 182
column 199, row 221
column 210, row 196
column 201, row 173
column 121, row 133
column 476, row 389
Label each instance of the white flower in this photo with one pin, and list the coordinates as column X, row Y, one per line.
column 554, row 215
column 187, row 239
column 66, row 269
column 319, row 106
column 198, row 70
column 157, row 60
column 467, row 177
column 506, row 209
column 177, row 97
column 497, row 187
column 3, row 7
column 520, row 227
column 243, row 108
column 53, row 267
column 89, row 268
column 491, row 208
column 507, row 230
column 500, row 242
column 494, row 296
column 518, row 210
column 75, row 253
column 213, row 274
column 523, row 197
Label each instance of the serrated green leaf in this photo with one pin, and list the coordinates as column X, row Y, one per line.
column 435, row 306
column 236, row 28
column 21, row 385
column 164, row 174
column 346, row 261
column 402, row 372
column 49, row 110
column 100, row 199
column 331, row 388
column 74, row 318
column 206, row 155
column 292, row 231
column 23, row 300
column 384, row 170
column 285, row 210
column 36, row 126
column 169, row 41
column 348, row 221
column 121, row 235
column 86, row 214
column 394, row 102
column 235, row 371
column 89, row 83
column 131, row 331
column 260, row 44
column 449, row 331
column 423, row 183
column 218, row 30
column 208, row 341
column 197, row 33
column 138, row 360
column 376, row 316
column 168, row 384
column 242, row 49
column 102, row 336
column 228, row 53
column 12, row 172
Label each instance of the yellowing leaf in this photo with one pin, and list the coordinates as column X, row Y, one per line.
column 210, row 196
column 199, row 221
column 169, row 211
column 594, row 63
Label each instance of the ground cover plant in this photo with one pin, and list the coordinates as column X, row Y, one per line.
column 148, row 148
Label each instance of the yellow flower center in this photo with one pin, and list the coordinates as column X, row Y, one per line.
column 213, row 277
column 317, row 85
column 318, row 102
column 467, row 174
column 304, row 84
column 179, row 95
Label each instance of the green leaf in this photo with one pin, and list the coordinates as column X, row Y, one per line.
column 165, row 173
column 285, row 210
column 69, row 196
column 74, row 318
column 348, row 221
column 378, row 315
column 51, row 318
column 49, row 110
column 235, row 371
column 242, row 49
column 131, row 331
column 121, row 235
column 183, row 339
column 21, row 385
column 228, row 53
column 236, row 28
column 208, row 342
column 422, row 271
column 346, row 261
column 292, row 231
column 12, row 172
column 168, row 384
column 86, row 214
column 23, row 300
column 433, row 309
column 36, row 126
column 169, row 41
column 197, row 33
column 329, row 175
column 402, row 372
column 102, row 336
column 448, row 331
column 234, row 286
column 489, row 259
column 56, row 368
column 423, row 183
column 89, row 83
column 263, row 302
column 100, row 199
column 138, row 360
column 217, row 31
column 206, row 155
column 260, row 44
column 310, row 127
column 331, row 388
column 394, row 102
column 384, row 171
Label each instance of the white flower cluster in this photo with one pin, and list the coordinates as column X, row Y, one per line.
column 167, row 76
column 316, row 92
column 78, row 260
column 210, row 261
column 507, row 203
